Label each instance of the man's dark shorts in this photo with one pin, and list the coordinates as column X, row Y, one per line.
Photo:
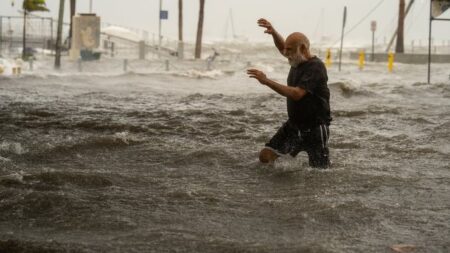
column 290, row 140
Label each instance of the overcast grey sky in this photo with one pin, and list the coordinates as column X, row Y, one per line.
column 315, row 18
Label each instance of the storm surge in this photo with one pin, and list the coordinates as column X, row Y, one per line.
column 168, row 162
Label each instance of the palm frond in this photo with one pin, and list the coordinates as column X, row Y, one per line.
column 34, row 5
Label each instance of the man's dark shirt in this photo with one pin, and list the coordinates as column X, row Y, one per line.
column 314, row 108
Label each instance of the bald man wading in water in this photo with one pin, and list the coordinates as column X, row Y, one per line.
column 308, row 102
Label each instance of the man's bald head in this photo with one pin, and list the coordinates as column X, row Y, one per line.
column 296, row 48
column 297, row 39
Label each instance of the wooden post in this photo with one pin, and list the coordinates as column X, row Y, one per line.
column 388, row 48
column 401, row 22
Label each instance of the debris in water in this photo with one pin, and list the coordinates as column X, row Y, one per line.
column 403, row 248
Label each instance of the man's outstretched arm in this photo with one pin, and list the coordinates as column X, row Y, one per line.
column 294, row 93
column 277, row 38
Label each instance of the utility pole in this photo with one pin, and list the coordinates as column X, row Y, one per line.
column 401, row 22
column 59, row 35
column 396, row 30
column 90, row 6
column 198, row 44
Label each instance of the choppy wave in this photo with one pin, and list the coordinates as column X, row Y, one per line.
column 12, row 147
column 116, row 140
column 20, row 245
column 53, row 179
column 348, row 90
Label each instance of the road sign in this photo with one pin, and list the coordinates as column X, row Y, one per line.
column 373, row 26
column 164, row 14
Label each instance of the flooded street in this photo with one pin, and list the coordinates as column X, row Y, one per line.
column 156, row 161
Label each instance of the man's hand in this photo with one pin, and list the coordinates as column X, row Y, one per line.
column 277, row 38
column 294, row 93
column 258, row 75
column 266, row 24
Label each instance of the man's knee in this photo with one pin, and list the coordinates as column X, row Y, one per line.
column 267, row 155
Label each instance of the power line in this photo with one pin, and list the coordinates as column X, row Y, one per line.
column 389, row 28
column 360, row 21
column 417, row 14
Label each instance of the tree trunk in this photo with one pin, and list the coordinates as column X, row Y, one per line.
column 59, row 35
column 24, row 35
column 401, row 21
column 73, row 8
column 198, row 44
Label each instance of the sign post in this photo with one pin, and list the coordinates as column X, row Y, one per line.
column 159, row 30
column 162, row 15
column 342, row 36
column 373, row 28
column 1, row 35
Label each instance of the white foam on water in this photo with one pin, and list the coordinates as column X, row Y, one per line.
column 16, row 176
column 123, row 136
column 203, row 74
column 3, row 159
column 12, row 147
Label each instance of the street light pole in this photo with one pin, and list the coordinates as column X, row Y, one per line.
column 342, row 37
column 159, row 16
column 373, row 28
column 429, row 42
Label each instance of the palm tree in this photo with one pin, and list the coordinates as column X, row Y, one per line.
column 198, row 45
column 30, row 6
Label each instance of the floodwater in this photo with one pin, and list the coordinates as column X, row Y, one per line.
column 155, row 161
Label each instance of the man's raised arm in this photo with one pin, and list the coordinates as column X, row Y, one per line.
column 277, row 38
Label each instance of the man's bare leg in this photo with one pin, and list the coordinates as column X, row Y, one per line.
column 267, row 155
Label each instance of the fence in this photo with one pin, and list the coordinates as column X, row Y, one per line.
column 40, row 33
